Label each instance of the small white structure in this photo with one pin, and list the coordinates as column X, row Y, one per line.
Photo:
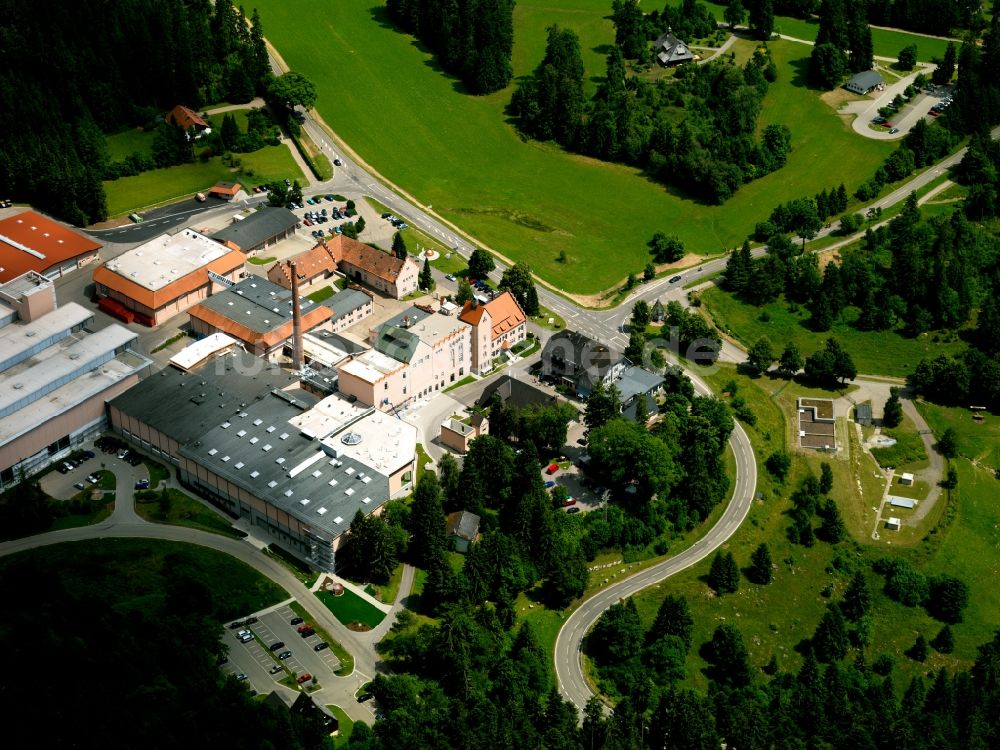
column 906, row 479
column 893, row 523
column 902, row 502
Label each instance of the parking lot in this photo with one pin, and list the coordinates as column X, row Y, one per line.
column 255, row 659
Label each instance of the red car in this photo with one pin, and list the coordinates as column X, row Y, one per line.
column 569, row 501
column 552, row 468
column 303, row 678
column 304, row 627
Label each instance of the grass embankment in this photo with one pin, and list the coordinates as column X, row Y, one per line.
column 345, row 726
column 774, row 619
column 351, row 609
column 874, row 352
column 527, row 200
column 182, row 511
column 295, row 566
column 345, row 658
column 908, row 454
column 157, row 186
column 136, row 569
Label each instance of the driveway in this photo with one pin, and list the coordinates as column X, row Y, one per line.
column 867, row 109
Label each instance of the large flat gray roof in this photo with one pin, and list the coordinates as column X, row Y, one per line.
column 184, row 405
column 636, row 380
column 256, row 303
column 268, row 457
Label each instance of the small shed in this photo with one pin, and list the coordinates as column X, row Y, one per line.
column 463, row 527
column 901, row 502
column 225, row 190
column 863, row 414
column 906, row 478
column 893, row 523
column 865, row 82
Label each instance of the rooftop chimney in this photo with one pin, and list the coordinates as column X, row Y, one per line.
column 296, row 321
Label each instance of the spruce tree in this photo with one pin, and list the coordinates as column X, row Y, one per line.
column 857, row 598
column 426, row 280
column 399, row 246
column 761, row 566
column 944, row 641
column 892, row 415
column 829, row 642
column 724, row 575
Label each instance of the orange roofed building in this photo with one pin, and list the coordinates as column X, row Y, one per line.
column 394, row 277
column 496, row 327
column 168, row 274
column 187, row 119
column 30, row 241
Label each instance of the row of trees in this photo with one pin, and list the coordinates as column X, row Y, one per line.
column 698, row 132
column 843, row 43
column 472, row 39
column 54, row 108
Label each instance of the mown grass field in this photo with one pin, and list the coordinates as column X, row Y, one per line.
column 908, row 454
column 875, row 353
column 350, row 608
column 128, row 194
column 774, row 619
column 527, row 200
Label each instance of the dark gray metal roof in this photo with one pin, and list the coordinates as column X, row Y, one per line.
column 636, row 380
column 256, row 303
column 258, row 450
column 183, row 405
column 865, row 80
column 398, row 343
column 464, row 525
column 346, row 301
column 258, row 227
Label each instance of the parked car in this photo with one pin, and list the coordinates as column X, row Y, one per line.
column 321, row 646
column 450, row 277
column 364, row 697
column 549, row 484
column 573, row 510
column 122, row 453
column 80, row 486
column 276, row 668
column 62, row 469
column 569, row 501
column 246, row 638
column 303, row 678
column 295, row 621
column 893, row 131
column 133, row 460
column 92, row 479
column 277, row 646
column 552, row 468
column 89, row 454
column 241, row 677
column 330, row 198
column 142, row 484
column 386, row 215
column 304, row 626
column 307, row 222
column 285, row 655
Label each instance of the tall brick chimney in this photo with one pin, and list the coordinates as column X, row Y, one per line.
column 296, row 320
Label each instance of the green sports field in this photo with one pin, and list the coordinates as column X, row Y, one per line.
column 385, row 96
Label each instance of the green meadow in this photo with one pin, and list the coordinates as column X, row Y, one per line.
column 386, row 97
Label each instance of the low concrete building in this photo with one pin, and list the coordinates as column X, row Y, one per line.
column 168, row 274
column 254, row 232
column 30, row 241
column 56, row 374
column 457, row 434
column 906, row 478
column 291, row 468
column 893, row 524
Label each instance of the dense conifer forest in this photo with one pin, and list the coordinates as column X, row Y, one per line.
column 87, row 68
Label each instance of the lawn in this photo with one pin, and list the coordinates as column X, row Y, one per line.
column 345, row 725
column 978, row 441
column 186, row 511
column 874, row 353
column 157, row 186
column 129, row 142
column 908, row 454
column 351, row 608
column 322, row 294
column 526, row 200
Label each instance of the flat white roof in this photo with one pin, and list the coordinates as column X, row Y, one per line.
column 322, row 350
column 433, row 328
column 194, row 354
column 19, row 338
column 167, row 258
column 381, row 441
column 906, row 476
column 371, row 366
column 331, row 414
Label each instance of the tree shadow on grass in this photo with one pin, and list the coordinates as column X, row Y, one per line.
column 603, row 49
column 380, row 15
column 800, row 72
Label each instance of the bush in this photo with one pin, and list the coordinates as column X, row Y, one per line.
column 904, row 583
column 778, row 464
